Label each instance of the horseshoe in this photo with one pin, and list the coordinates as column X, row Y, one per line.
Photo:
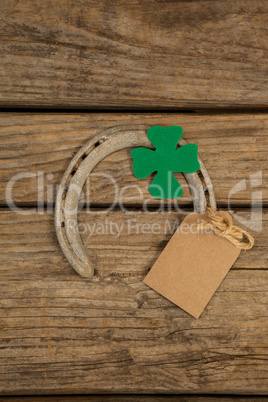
column 66, row 208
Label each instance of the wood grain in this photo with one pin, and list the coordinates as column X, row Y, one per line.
column 234, row 149
column 120, row 244
column 62, row 334
column 147, row 54
column 136, row 398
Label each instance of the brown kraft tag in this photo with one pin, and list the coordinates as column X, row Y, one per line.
column 192, row 266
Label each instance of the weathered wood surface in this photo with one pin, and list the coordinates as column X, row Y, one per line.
column 147, row 54
column 233, row 148
column 136, row 398
column 63, row 334
column 132, row 246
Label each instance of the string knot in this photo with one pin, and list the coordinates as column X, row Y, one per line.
column 222, row 225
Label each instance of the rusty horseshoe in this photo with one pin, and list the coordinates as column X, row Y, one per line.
column 66, row 208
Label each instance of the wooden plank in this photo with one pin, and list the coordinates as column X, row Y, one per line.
column 160, row 54
column 63, row 334
column 120, row 244
column 135, row 398
column 233, row 148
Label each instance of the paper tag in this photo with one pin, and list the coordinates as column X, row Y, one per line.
column 192, row 265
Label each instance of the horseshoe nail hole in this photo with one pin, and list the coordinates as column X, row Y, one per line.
column 66, row 188
column 73, row 172
column 201, row 177
column 62, row 224
column 83, row 156
column 97, row 144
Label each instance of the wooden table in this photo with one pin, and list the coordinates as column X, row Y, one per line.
column 70, row 69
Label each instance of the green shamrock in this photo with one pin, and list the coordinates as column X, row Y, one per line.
column 166, row 159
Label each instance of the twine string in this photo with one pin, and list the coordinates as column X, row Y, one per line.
column 222, row 225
